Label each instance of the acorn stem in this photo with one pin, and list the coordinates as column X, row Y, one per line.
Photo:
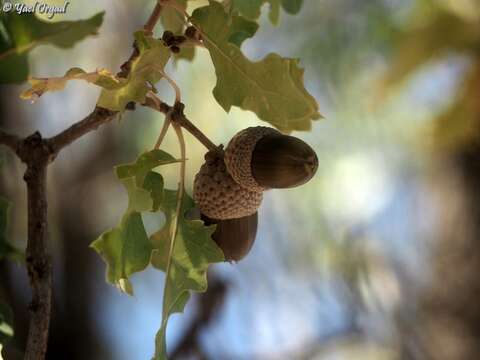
column 175, row 113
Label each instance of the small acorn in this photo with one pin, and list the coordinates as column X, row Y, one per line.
column 260, row 158
column 234, row 236
column 218, row 196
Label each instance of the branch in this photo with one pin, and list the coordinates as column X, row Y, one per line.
column 176, row 115
column 153, row 19
column 36, row 154
column 97, row 117
column 100, row 116
column 9, row 140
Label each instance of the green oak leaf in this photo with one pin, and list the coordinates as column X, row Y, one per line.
column 126, row 248
column 19, row 34
column 272, row 87
column 251, row 9
column 172, row 19
column 6, row 324
column 193, row 251
column 146, row 68
column 6, row 249
column 186, row 53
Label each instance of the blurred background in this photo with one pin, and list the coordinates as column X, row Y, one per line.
column 378, row 257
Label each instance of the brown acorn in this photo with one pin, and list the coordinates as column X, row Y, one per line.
column 234, row 236
column 260, row 158
column 218, row 196
column 282, row 161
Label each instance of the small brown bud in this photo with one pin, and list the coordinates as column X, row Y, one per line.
column 168, row 37
column 191, row 32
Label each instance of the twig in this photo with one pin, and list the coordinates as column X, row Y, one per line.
column 152, row 101
column 97, row 117
column 178, row 96
column 153, row 19
column 37, row 152
column 174, row 228
column 163, row 132
column 199, row 135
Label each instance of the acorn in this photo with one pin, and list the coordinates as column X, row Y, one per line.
column 218, row 196
column 259, row 158
column 234, row 236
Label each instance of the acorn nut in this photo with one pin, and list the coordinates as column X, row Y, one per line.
column 218, row 196
column 234, row 236
column 259, row 158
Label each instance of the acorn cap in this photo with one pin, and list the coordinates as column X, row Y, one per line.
column 234, row 236
column 282, row 161
column 218, row 196
column 238, row 156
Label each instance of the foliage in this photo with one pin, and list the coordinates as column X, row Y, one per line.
column 126, row 249
column 272, row 88
column 145, row 69
column 251, row 9
column 117, row 91
column 20, row 33
column 193, row 251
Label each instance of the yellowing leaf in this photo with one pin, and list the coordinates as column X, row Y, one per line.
column 39, row 86
column 145, row 69
column 272, row 88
